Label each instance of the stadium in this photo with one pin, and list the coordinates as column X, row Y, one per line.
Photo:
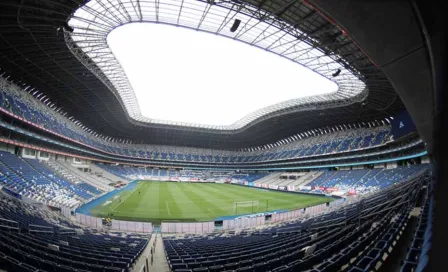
column 222, row 135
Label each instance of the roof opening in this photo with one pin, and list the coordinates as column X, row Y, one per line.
column 183, row 75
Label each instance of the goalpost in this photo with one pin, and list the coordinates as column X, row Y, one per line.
column 253, row 205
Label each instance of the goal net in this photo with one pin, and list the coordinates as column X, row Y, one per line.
column 242, row 207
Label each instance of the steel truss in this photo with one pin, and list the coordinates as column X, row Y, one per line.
column 308, row 41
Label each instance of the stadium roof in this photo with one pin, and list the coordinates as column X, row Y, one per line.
column 93, row 22
column 33, row 50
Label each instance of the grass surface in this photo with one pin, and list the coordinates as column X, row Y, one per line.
column 190, row 202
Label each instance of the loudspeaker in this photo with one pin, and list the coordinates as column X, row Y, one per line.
column 235, row 25
column 335, row 74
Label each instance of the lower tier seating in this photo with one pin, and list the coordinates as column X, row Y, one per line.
column 356, row 237
column 31, row 178
column 35, row 239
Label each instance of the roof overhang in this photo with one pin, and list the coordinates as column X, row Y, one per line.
column 93, row 21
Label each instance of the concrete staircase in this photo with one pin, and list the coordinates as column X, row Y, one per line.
column 269, row 179
column 75, row 175
column 98, row 171
column 308, row 178
column 154, row 251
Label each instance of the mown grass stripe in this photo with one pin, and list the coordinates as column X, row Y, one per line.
column 160, row 201
column 184, row 205
column 205, row 205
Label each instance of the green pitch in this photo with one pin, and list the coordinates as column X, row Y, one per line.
column 190, row 202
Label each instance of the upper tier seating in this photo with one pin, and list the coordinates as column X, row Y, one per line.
column 23, row 105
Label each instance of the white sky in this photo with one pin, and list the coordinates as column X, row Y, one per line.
column 184, row 75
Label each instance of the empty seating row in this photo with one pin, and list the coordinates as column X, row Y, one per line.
column 24, row 105
column 358, row 236
column 32, row 179
column 134, row 173
column 364, row 180
column 30, row 241
column 417, row 255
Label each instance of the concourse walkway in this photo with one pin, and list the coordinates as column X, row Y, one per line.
column 153, row 258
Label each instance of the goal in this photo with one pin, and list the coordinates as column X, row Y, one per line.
column 242, row 207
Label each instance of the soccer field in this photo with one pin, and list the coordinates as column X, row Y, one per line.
column 190, row 202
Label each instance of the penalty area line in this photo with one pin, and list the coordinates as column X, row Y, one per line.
column 167, row 208
column 123, row 200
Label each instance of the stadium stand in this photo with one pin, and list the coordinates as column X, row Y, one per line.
column 356, row 148
column 22, row 104
column 127, row 173
column 99, row 172
column 81, row 189
column 283, row 180
column 28, row 242
column 359, row 181
column 417, row 255
column 75, row 175
column 17, row 214
column 364, row 180
column 33, row 179
column 269, row 178
column 325, row 243
column 134, row 173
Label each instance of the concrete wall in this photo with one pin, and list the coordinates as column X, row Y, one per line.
column 28, row 153
column 7, row 148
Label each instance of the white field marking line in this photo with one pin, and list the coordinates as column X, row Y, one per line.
column 135, row 190
column 146, row 213
column 167, row 207
column 188, row 202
